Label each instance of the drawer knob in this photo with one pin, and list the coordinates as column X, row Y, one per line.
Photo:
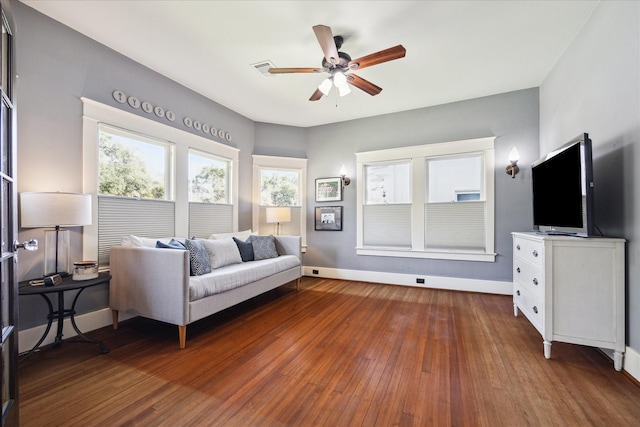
column 535, row 309
column 535, row 253
column 518, row 247
column 517, row 269
column 518, row 292
column 535, row 281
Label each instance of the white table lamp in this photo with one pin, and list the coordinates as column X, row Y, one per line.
column 55, row 209
column 278, row 215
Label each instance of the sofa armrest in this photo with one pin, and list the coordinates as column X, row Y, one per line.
column 150, row 282
column 289, row 245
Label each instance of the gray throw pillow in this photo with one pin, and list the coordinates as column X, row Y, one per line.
column 198, row 258
column 245, row 248
column 264, row 247
column 221, row 252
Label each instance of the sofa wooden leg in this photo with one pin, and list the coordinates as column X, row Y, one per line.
column 182, row 335
column 298, row 284
column 114, row 315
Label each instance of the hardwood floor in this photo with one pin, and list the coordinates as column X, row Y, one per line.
column 337, row 353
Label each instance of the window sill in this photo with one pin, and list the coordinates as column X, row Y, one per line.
column 408, row 253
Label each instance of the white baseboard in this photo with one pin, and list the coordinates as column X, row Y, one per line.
column 630, row 362
column 86, row 323
column 434, row 282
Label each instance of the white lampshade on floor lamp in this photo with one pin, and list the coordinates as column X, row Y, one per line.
column 55, row 209
column 278, row 215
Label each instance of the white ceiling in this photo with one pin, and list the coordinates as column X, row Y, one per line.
column 456, row 50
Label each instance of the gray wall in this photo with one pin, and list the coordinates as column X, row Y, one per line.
column 511, row 117
column 595, row 88
column 57, row 66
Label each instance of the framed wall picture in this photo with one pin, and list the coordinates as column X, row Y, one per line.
column 328, row 218
column 329, row 189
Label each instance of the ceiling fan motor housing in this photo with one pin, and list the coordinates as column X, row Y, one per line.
column 343, row 62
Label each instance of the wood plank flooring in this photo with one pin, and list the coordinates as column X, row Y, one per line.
column 336, row 353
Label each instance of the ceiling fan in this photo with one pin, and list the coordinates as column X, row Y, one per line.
column 339, row 64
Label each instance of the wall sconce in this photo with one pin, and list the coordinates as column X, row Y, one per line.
column 513, row 169
column 345, row 179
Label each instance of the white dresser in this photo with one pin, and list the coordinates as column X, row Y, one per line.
column 571, row 289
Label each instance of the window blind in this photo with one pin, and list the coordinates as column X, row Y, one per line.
column 387, row 225
column 121, row 216
column 206, row 219
column 455, row 226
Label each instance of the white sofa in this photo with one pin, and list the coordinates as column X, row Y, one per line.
column 156, row 283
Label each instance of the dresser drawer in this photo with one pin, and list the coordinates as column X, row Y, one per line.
column 528, row 275
column 530, row 305
column 528, row 250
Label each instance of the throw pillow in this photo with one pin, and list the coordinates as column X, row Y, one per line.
column 142, row 242
column 222, row 252
column 264, row 247
column 245, row 248
column 173, row 244
column 243, row 235
column 198, row 257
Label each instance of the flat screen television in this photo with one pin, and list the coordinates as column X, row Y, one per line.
column 563, row 190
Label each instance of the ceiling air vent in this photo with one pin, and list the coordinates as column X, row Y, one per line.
column 263, row 67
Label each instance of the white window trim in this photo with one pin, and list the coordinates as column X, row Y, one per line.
column 95, row 113
column 283, row 163
column 417, row 155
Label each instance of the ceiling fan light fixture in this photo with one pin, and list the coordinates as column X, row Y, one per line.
column 344, row 90
column 325, row 86
column 339, row 79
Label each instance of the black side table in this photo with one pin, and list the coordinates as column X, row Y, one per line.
column 68, row 284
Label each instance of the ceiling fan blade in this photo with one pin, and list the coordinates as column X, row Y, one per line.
column 327, row 43
column 316, row 95
column 363, row 84
column 390, row 54
column 294, row 70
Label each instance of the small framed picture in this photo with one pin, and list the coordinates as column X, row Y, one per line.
column 328, row 218
column 329, row 189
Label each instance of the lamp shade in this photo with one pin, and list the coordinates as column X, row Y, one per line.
column 514, row 156
column 278, row 214
column 41, row 209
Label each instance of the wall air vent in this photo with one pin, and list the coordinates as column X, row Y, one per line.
column 263, row 67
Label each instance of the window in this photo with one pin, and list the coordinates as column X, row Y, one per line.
column 135, row 181
column 388, row 183
column 152, row 180
column 209, row 194
column 429, row 201
column 454, row 216
column 387, row 210
column 208, row 178
column 279, row 187
column 133, row 165
column 279, row 181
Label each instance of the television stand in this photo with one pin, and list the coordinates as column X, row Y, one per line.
column 572, row 289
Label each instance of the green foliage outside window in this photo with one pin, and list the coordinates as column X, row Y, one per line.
column 124, row 173
column 279, row 188
column 209, row 185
